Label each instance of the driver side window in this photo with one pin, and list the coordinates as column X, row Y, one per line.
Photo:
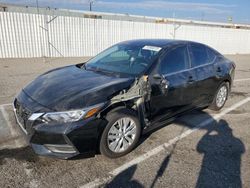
column 175, row 60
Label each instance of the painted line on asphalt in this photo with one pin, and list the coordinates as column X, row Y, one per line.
column 100, row 181
column 3, row 105
column 241, row 80
column 9, row 124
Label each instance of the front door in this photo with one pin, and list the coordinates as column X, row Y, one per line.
column 173, row 86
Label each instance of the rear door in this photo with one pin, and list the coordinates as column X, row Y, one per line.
column 175, row 90
column 202, row 63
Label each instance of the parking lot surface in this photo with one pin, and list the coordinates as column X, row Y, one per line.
column 199, row 149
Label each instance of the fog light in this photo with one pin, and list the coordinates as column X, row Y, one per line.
column 63, row 148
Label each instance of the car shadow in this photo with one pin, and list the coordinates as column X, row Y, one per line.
column 221, row 150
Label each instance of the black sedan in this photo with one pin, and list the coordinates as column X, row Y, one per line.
column 107, row 103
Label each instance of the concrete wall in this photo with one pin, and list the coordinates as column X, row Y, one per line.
column 35, row 35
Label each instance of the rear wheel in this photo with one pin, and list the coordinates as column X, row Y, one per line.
column 121, row 133
column 220, row 97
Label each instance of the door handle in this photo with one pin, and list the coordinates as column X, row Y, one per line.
column 190, row 79
column 218, row 69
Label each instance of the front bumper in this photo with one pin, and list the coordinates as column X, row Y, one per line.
column 65, row 140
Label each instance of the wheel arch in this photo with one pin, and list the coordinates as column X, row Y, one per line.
column 113, row 107
column 229, row 81
column 117, row 105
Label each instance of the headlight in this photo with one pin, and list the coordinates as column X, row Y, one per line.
column 63, row 117
column 66, row 116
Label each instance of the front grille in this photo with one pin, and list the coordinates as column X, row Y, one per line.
column 22, row 114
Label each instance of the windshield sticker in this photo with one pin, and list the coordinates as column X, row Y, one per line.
column 152, row 48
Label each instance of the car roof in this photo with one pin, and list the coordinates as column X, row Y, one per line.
column 164, row 43
column 155, row 42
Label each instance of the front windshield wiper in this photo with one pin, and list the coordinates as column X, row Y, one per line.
column 96, row 69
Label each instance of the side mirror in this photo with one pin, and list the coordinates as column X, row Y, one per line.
column 157, row 76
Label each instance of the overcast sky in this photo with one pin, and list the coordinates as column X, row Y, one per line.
column 210, row 10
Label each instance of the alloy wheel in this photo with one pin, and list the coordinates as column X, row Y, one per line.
column 221, row 96
column 121, row 135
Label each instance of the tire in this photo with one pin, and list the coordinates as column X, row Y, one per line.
column 110, row 138
column 216, row 106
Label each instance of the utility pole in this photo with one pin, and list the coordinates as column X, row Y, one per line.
column 174, row 30
column 175, row 26
column 202, row 16
column 37, row 6
column 90, row 4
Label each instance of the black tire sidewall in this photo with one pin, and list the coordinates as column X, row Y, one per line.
column 112, row 117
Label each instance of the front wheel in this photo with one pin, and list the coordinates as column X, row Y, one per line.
column 121, row 133
column 220, row 97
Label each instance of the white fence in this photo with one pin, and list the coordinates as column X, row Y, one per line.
column 32, row 35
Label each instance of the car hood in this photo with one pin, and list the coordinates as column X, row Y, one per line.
column 74, row 88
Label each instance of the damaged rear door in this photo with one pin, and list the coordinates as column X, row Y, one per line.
column 173, row 86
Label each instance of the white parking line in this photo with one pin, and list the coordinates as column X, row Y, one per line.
column 13, row 132
column 241, row 80
column 3, row 105
column 99, row 181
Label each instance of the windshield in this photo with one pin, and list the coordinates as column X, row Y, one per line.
column 124, row 59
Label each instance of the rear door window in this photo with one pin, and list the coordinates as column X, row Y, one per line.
column 175, row 60
column 199, row 55
column 211, row 55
